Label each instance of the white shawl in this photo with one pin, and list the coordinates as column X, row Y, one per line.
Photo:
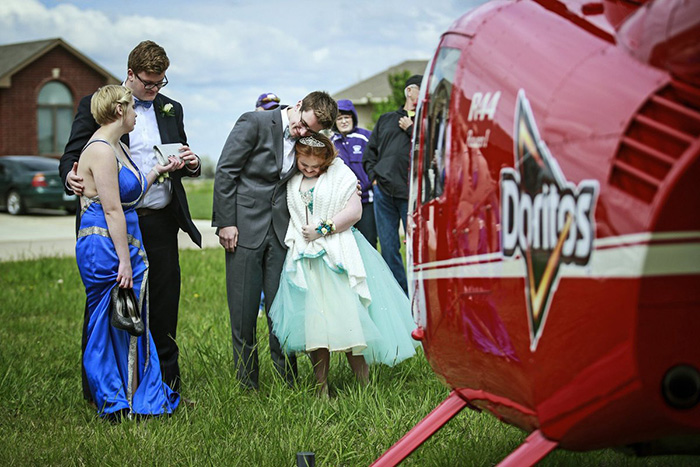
column 330, row 196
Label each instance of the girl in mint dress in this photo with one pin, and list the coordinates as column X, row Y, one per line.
column 336, row 293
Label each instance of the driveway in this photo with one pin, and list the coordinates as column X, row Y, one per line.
column 52, row 233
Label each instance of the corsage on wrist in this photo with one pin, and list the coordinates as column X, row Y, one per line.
column 326, row 227
column 160, row 177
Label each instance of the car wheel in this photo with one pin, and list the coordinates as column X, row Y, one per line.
column 15, row 204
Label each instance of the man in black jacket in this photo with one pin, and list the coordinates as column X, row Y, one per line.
column 386, row 160
column 164, row 210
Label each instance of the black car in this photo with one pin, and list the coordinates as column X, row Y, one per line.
column 28, row 182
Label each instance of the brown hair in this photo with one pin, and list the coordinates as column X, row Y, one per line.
column 149, row 57
column 103, row 104
column 326, row 153
column 323, row 106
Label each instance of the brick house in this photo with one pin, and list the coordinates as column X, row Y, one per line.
column 41, row 84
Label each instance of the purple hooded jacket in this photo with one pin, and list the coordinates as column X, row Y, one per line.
column 351, row 147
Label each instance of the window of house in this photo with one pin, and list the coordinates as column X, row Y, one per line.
column 54, row 117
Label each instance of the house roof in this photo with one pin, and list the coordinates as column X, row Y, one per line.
column 376, row 88
column 15, row 57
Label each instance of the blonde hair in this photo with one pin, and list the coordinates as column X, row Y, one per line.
column 103, row 105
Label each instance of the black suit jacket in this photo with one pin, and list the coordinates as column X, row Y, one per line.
column 172, row 130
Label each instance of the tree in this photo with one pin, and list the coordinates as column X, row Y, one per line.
column 396, row 99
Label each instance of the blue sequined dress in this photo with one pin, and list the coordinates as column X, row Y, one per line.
column 123, row 371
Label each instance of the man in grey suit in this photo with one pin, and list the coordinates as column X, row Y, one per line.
column 251, row 216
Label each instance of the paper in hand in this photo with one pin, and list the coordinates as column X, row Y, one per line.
column 164, row 151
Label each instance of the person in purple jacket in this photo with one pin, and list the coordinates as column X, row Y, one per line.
column 350, row 141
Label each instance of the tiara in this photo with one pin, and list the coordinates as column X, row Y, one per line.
column 311, row 141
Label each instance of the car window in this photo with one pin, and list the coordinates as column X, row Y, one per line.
column 38, row 164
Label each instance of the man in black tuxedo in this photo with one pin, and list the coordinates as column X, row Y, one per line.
column 251, row 216
column 164, row 210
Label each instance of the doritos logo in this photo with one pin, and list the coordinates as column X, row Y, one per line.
column 546, row 218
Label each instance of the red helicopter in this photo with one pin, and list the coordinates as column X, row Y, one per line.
column 554, row 224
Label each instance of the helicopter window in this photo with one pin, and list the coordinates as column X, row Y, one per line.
column 415, row 148
column 437, row 124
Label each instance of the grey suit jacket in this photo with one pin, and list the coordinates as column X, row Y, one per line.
column 249, row 190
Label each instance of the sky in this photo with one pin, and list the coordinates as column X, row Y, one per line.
column 225, row 53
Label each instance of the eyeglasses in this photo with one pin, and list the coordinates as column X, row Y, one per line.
column 305, row 125
column 149, row 85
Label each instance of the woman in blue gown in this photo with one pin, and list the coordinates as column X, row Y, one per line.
column 123, row 371
column 336, row 293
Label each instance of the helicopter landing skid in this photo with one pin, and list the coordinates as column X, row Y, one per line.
column 534, row 448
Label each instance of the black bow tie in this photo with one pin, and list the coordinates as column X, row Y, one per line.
column 144, row 104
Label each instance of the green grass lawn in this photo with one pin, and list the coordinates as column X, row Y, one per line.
column 200, row 195
column 44, row 420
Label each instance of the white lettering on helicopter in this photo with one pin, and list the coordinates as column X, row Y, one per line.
column 541, row 222
column 477, row 142
column 549, row 219
column 483, row 106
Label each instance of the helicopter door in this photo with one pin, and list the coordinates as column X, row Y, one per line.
column 429, row 171
column 436, row 144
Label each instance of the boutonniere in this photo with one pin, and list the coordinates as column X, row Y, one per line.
column 167, row 110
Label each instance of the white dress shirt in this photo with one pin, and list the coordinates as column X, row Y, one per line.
column 289, row 153
column 141, row 141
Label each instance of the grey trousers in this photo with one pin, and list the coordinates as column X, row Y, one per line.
column 248, row 272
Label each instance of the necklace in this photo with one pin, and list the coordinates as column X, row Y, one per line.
column 307, row 197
